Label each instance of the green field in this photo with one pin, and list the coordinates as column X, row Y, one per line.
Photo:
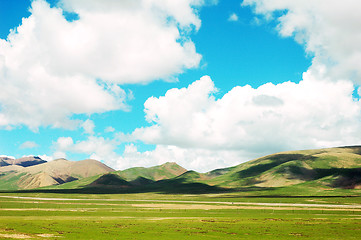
column 165, row 216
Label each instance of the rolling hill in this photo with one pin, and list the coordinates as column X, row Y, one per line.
column 321, row 169
column 156, row 173
column 136, row 178
column 333, row 167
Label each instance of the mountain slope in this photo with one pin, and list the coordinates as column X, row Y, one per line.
column 333, row 167
column 4, row 161
column 164, row 171
column 50, row 173
column 60, row 167
column 24, row 161
column 110, row 180
column 188, row 182
column 137, row 176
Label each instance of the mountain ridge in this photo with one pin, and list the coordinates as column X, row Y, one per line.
column 54, row 172
column 24, row 161
column 328, row 168
column 155, row 173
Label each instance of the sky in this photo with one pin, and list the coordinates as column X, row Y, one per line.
column 204, row 83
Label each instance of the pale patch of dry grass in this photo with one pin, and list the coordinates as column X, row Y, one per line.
column 14, row 236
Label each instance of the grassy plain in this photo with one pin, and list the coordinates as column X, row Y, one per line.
column 177, row 216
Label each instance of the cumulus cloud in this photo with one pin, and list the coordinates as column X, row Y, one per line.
column 191, row 159
column 61, row 146
column 312, row 113
column 329, row 30
column 28, row 144
column 97, row 148
column 200, row 131
column 105, row 150
column 51, row 68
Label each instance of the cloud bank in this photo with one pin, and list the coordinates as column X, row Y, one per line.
column 312, row 113
column 52, row 68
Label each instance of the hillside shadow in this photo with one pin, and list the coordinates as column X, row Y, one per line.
column 343, row 177
column 113, row 185
column 181, row 186
column 276, row 160
column 356, row 149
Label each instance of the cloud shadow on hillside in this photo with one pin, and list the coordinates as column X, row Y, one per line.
column 275, row 161
column 346, row 178
column 111, row 185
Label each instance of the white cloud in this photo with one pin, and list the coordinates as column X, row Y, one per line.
column 104, row 150
column 5, row 156
column 88, row 127
column 199, row 131
column 202, row 160
column 51, row 69
column 46, row 157
column 329, row 30
column 61, row 146
column 181, row 11
column 28, row 144
column 109, row 129
column 233, row 17
column 97, row 148
column 271, row 118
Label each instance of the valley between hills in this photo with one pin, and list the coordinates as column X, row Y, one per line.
column 308, row 172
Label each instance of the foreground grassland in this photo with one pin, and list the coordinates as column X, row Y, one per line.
column 164, row 216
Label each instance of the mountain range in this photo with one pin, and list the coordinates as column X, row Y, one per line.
column 32, row 172
column 332, row 168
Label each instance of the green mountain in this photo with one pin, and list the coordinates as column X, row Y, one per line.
column 294, row 171
column 333, row 167
column 156, row 173
column 110, row 180
column 168, row 177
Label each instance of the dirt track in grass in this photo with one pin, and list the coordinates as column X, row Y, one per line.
column 189, row 204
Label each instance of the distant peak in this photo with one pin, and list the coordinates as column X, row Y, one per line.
column 61, row 159
column 170, row 164
column 6, row 158
column 31, row 157
column 90, row 160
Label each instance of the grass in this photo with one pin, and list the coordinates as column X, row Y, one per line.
column 165, row 216
column 9, row 180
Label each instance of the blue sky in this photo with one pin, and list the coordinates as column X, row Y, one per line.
column 144, row 82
